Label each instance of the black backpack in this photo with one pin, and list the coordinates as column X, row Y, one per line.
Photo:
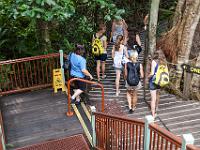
column 133, row 77
column 67, row 63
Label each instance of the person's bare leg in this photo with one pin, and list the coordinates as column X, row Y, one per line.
column 157, row 98
column 153, row 102
column 129, row 99
column 134, row 99
column 77, row 93
column 118, row 72
column 98, row 69
column 103, row 68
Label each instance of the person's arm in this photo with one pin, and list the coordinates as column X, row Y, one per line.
column 105, row 43
column 141, row 71
column 153, row 65
column 138, row 39
column 125, row 71
column 126, row 52
column 93, row 38
column 86, row 72
column 124, row 24
column 112, row 31
column 113, row 52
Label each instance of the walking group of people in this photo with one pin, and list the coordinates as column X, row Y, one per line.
column 125, row 52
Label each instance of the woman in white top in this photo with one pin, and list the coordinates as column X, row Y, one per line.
column 118, row 54
column 119, row 27
column 101, row 59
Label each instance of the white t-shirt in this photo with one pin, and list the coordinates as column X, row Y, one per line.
column 153, row 66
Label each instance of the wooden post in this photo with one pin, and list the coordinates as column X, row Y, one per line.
column 148, row 119
column 93, row 109
column 187, row 139
column 187, row 82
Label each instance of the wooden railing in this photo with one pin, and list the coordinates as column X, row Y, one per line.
column 121, row 133
column 192, row 147
column 118, row 133
column 27, row 73
column 163, row 139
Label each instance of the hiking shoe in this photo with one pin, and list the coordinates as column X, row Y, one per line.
column 130, row 111
column 77, row 102
column 117, row 93
column 73, row 101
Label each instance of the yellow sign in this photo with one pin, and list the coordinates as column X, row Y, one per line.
column 191, row 69
column 58, row 80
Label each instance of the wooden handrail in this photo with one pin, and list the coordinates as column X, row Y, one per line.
column 192, row 147
column 69, row 112
column 166, row 134
column 125, row 119
column 29, row 58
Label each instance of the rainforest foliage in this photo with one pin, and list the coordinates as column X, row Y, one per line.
column 44, row 26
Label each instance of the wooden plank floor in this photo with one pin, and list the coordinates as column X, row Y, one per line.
column 36, row 116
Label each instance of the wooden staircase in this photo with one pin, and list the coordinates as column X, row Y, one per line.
column 174, row 114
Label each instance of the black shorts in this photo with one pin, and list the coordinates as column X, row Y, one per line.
column 101, row 57
column 79, row 85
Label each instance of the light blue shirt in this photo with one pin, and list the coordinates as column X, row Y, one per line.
column 78, row 63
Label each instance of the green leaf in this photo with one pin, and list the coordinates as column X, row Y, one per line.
column 120, row 12
column 51, row 2
column 107, row 18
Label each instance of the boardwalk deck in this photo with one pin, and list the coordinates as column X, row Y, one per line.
column 36, row 116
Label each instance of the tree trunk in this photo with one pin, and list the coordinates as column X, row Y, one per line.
column 178, row 11
column 195, row 84
column 44, row 37
column 153, row 25
column 177, row 43
column 186, row 33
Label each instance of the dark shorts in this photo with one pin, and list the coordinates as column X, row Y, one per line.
column 153, row 86
column 101, row 57
column 79, row 85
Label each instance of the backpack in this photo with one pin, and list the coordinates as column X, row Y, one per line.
column 161, row 75
column 133, row 77
column 67, row 63
column 97, row 46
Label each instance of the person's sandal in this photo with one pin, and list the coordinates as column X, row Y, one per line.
column 134, row 108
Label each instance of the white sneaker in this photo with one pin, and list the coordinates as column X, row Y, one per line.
column 117, row 93
column 104, row 76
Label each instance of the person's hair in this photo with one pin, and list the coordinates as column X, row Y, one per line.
column 101, row 27
column 79, row 49
column 133, row 55
column 118, row 42
column 159, row 55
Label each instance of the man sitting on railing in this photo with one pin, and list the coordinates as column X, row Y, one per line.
column 78, row 70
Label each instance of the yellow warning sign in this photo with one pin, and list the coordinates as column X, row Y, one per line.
column 58, row 80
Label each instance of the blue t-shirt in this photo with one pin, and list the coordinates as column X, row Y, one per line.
column 78, row 63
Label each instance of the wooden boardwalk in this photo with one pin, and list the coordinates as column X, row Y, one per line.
column 36, row 116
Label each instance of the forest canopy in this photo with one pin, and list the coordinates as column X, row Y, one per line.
column 44, row 26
